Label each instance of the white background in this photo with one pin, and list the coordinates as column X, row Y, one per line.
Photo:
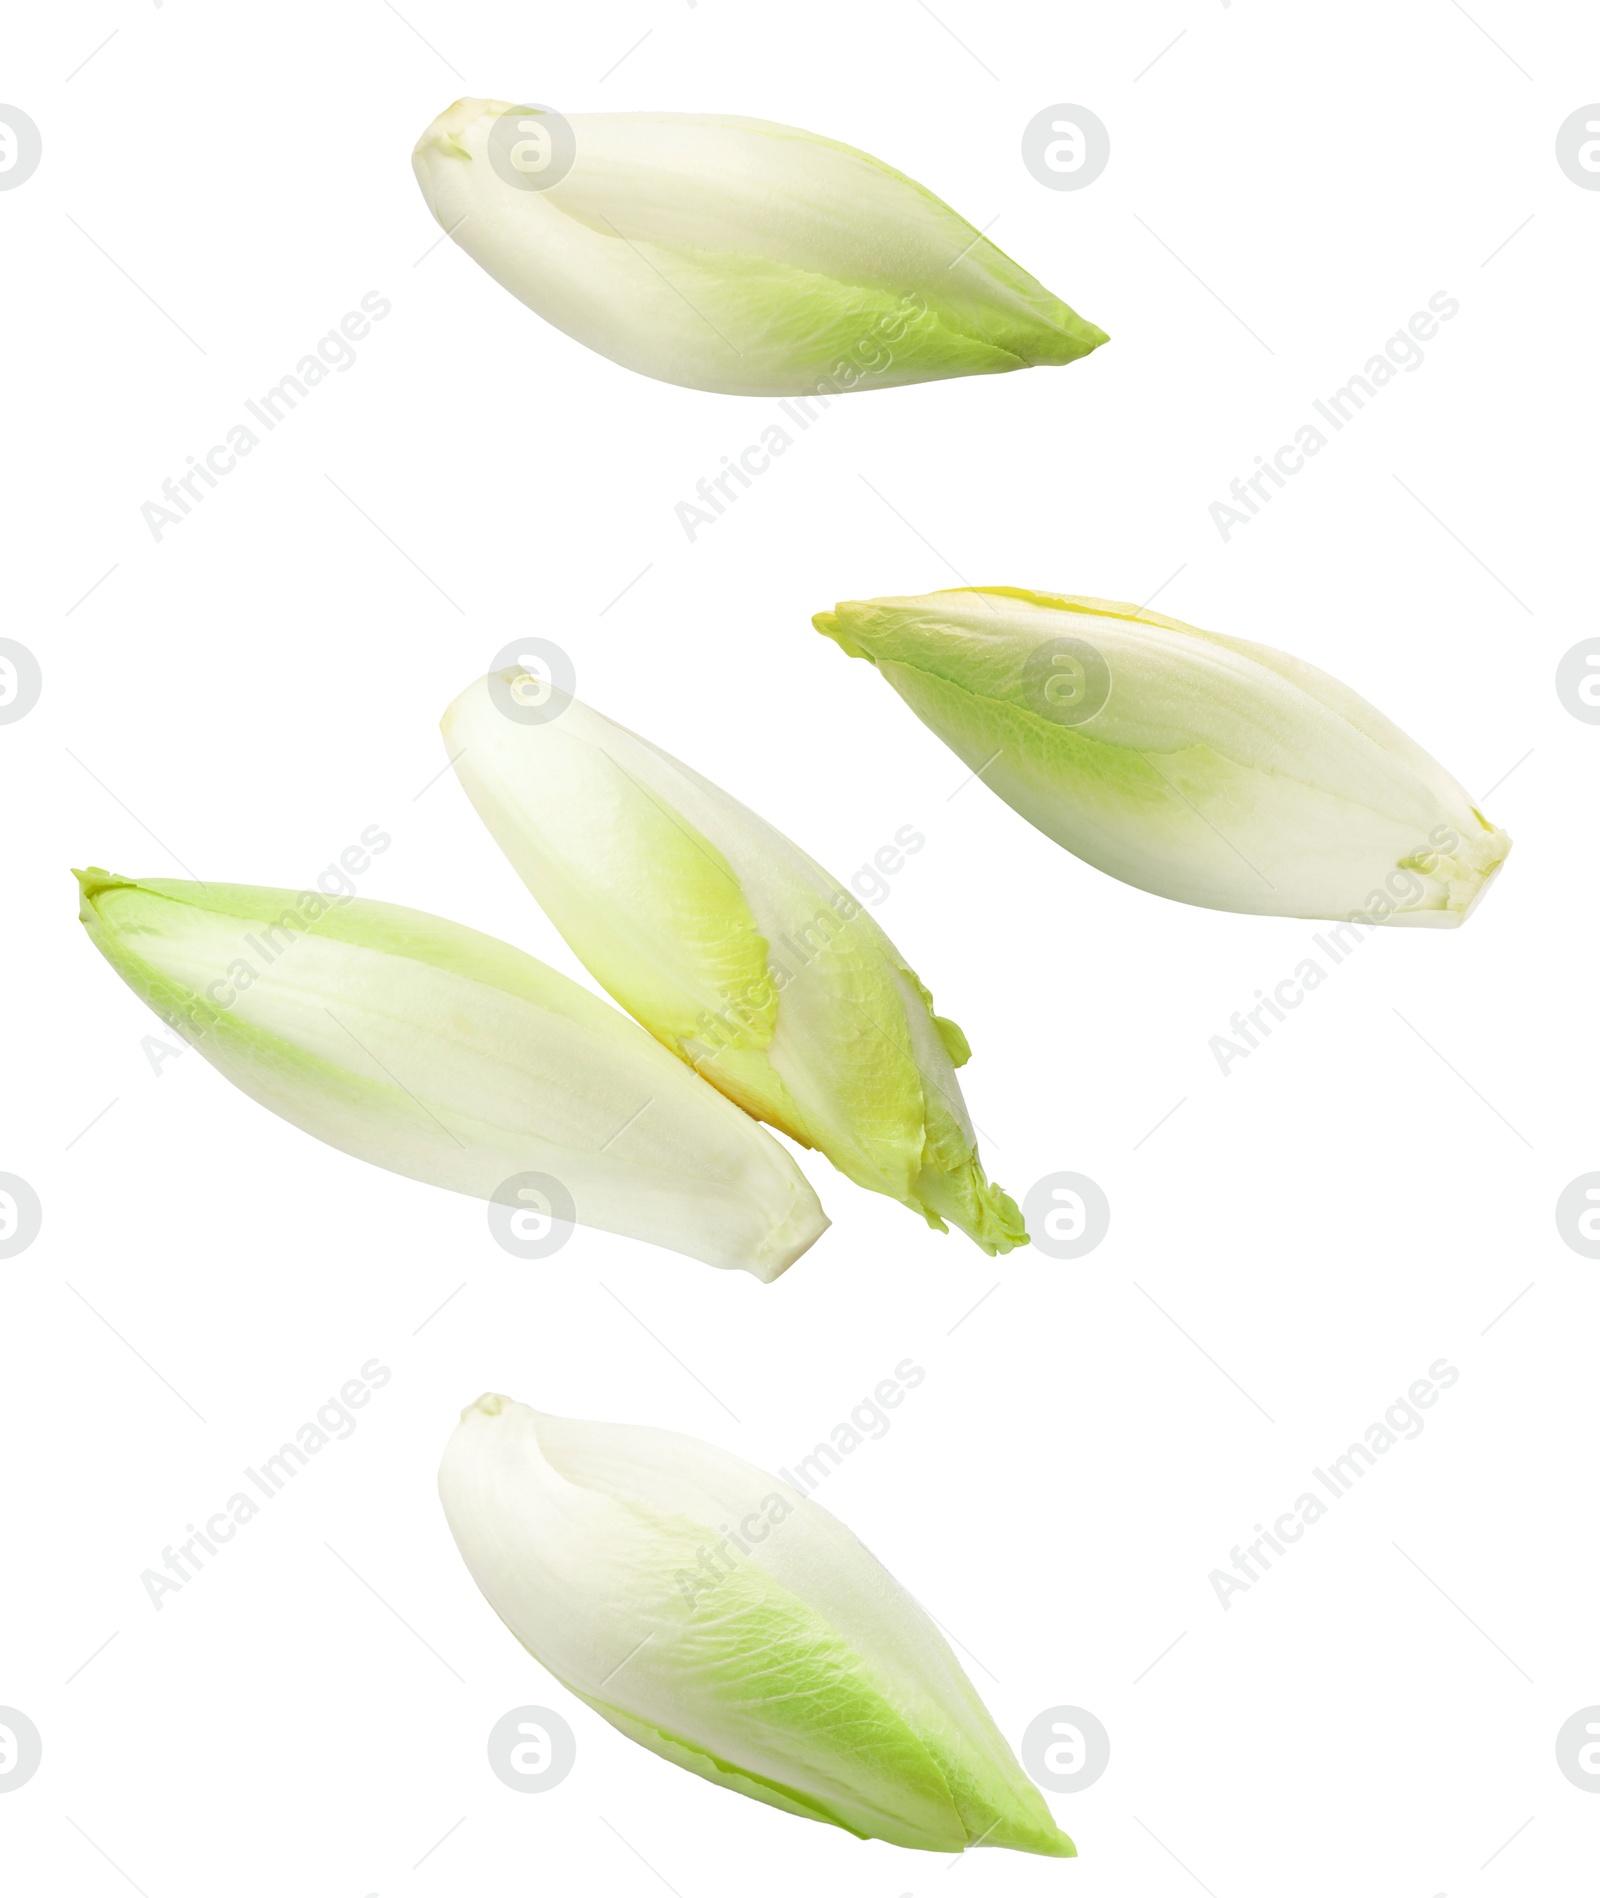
column 1295, row 1244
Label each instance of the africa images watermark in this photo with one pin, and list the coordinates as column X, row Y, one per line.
column 335, row 351
column 870, row 879
column 746, row 1010
column 267, row 943
column 1402, row 1420
column 1401, row 890
column 1403, row 350
column 332, row 1423
column 867, row 1422
column 867, row 359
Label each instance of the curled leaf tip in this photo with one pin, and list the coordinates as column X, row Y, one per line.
column 94, row 881
column 833, row 626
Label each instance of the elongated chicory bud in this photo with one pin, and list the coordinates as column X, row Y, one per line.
column 732, row 254
column 715, row 1615
column 1203, row 768
column 442, row 1054
column 731, row 946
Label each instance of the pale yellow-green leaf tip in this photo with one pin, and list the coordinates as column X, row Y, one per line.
column 445, row 133
column 95, row 882
column 833, row 627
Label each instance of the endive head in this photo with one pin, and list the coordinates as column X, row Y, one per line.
column 732, row 254
column 732, row 946
column 1206, row 769
column 444, row 1055
column 734, row 1627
